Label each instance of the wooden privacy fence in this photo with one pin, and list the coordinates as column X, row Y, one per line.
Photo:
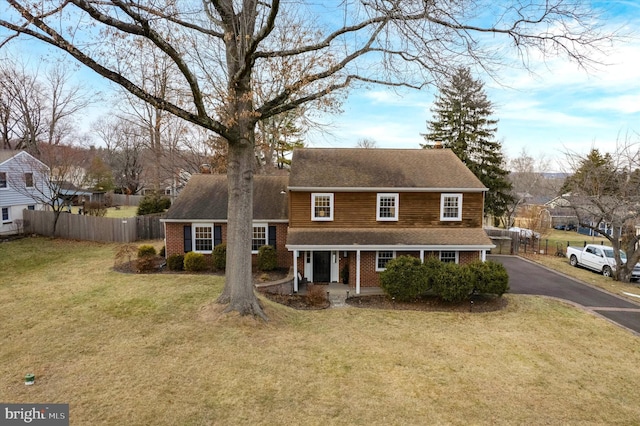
column 92, row 228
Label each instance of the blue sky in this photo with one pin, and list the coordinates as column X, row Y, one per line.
column 549, row 110
column 558, row 108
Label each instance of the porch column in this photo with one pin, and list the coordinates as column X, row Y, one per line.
column 295, row 271
column 483, row 255
column 421, row 256
column 357, row 271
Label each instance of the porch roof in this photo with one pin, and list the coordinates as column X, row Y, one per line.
column 388, row 239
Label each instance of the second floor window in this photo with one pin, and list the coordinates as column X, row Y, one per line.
column 28, row 180
column 387, row 207
column 3, row 180
column 451, row 207
column 321, row 206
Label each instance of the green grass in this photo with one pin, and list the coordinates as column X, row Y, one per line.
column 152, row 349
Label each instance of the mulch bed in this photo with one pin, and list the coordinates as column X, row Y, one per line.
column 477, row 303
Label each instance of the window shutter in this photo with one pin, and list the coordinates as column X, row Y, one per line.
column 187, row 239
column 217, row 235
column 272, row 236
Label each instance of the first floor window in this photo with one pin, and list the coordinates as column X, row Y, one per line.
column 449, row 256
column 382, row 258
column 5, row 214
column 203, row 238
column 3, row 179
column 259, row 237
column 31, row 207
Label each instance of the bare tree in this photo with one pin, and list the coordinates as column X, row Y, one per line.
column 367, row 143
column 604, row 193
column 221, row 47
column 528, row 182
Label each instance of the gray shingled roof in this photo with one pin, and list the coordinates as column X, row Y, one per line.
column 340, row 237
column 380, row 168
column 205, row 198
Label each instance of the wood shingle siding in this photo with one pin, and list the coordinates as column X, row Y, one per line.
column 358, row 210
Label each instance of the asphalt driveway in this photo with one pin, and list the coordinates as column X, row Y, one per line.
column 529, row 278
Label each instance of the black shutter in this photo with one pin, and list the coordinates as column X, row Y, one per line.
column 272, row 236
column 187, row 239
column 217, row 235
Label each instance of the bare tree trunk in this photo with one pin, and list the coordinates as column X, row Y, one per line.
column 238, row 290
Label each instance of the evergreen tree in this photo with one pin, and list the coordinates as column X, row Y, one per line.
column 462, row 122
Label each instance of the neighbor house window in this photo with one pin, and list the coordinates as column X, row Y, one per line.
column 28, row 180
column 387, row 207
column 321, row 206
column 451, row 207
column 449, row 256
column 259, row 237
column 3, row 180
column 203, row 238
column 31, row 207
column 5, row 214
column 382, row 258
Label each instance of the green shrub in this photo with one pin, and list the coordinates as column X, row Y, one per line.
column 220, row 256
column 405, row 278
column 453, row 283
column 489, row 277
column 175, row 262
column 194, row 262
column 153, row 203
column 267, row 258
column 146, row 250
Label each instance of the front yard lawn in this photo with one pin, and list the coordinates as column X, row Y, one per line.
column 151, row 349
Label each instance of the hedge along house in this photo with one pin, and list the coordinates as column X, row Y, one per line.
column 197, row 220
column 353, row 210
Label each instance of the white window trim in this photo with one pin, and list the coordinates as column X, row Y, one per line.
column 451, row 219
column 314, row 195
column 266, row 234
column 396, row 198
column 457, row 260
column 193, row 237
column 377, row 257
column 8, row 215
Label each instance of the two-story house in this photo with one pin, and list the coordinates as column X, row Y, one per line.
column 23, row 185
column 197, row 220
column 356, row 209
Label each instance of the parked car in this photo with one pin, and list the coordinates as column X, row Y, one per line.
column 565, row 227
column 597, row 258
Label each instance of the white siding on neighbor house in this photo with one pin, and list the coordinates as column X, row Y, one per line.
column 16, row 197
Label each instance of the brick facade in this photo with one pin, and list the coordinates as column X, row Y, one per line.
column 174, row 242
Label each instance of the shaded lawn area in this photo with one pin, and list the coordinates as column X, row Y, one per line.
column 151, row 349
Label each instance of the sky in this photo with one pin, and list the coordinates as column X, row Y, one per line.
column 549, row 110
column 555, row 110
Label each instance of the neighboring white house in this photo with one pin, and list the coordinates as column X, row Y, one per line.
column 23, row 185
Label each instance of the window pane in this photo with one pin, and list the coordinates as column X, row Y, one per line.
column 259, row 237
column 448, row 256
column 204, row 240
column 450, row 207
column 383, row 258
column 3, row 179
column 322, row 206
column 387, row 207
column 5, row 213
column 28, row 179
